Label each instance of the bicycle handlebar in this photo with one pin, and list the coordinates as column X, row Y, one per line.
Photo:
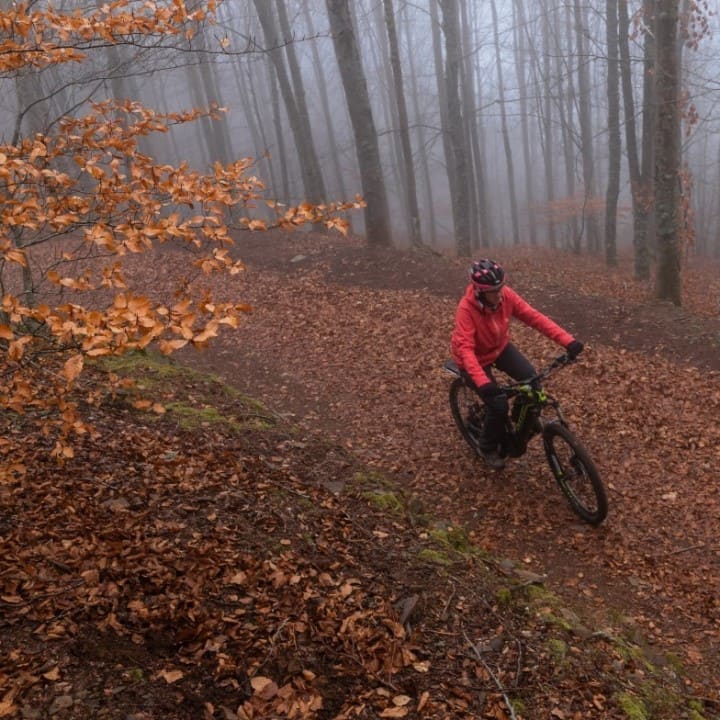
column 558, row 362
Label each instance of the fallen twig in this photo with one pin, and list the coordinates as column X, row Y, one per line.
column 493, row 676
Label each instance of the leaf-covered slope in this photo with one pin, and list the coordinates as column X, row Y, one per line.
column 195, row 564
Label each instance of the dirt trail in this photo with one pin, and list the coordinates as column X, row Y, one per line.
column 350, row 344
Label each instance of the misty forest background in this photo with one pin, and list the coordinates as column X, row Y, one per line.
column 463, row 124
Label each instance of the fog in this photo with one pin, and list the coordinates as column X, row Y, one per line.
column 537, row 168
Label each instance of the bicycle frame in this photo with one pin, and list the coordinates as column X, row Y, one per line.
column 525, row 421
column 572, row 467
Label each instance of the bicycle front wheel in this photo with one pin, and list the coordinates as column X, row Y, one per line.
column 465, row 406
column 575, row 473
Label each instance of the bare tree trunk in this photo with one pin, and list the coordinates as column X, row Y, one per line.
column 567, row 124
column 505, row 133
column 325, row 103
column 522, row 88
column 546, row 128
column 277, row 126
column 256, row 125
column 299, row 120
column 586, row 135
column 647, row 232
column 716, row 248
column 467, row 95
column 487, row 231
column 614, row 142
column 221, row 141
column 383, row 71
column 32, row 117
column 412, row 202
column 309, row 154
column 639, row 202
column 423, row 154
column 435, row 25
column 377, row 214
column 458, row 168
column 667, row 150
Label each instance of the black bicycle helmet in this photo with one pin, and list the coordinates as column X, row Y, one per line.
column 486, row 275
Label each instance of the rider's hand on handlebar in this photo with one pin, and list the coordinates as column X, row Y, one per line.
column 493, row 397
column 574, row 349
column 489, row 390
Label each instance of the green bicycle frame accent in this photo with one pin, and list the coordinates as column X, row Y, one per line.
column 533, row 398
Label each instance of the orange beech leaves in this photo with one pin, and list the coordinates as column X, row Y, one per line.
column 76, row 202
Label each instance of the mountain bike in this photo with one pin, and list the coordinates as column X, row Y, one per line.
column 569, row 461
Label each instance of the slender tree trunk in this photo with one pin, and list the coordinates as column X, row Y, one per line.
column 325, row 104
column 277, row 126
column 716, row 248
column 256, row 125
column 487, row 231
column 586, row 134
column 467, row 98
column 221, row 141
column 411, row 190
column 309, row 155
column 614, row 142
column 420, row 132
column 640, row 250
column 647, row 228
column 299, row 121
column 458, row 168
column 567, row 123
column 524, row 126
column 377, row 214
column 505, row 133
column 667, row 150
column 547, row 126
column 32, row 117
column 436, row 27
column 383, row 71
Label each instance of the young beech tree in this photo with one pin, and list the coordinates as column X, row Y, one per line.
column 79, row 200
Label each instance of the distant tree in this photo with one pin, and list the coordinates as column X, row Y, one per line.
column 566, row 111
column 521, row 70
column 647, row 240
column 512, row 193
column 667, row 150
column 424, row 153
column 319, row 71
column 545, row 113
column 614, row 141
column 404, row 130
column 640, row 193
column 441, row 83
column 584, row 99
column 294, row 98
column 377, row 213
column 458, row 163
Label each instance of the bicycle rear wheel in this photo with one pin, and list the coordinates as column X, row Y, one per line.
column 575, row 473
column 466, row 406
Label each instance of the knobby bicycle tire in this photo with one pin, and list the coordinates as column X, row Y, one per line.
column 575, row 473
column 461, row 399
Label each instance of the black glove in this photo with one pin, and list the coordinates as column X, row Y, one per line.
column 494, row 397
column 574, row 349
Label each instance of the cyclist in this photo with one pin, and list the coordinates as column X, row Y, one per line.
column 481, row 341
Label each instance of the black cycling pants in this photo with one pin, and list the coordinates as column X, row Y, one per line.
column 513, row 363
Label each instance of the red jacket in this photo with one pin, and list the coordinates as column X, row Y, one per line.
column 481, row 335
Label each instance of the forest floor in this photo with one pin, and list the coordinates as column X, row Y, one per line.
column 338, row 551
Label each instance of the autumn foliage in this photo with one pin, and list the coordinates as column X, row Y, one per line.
column 81, row 198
